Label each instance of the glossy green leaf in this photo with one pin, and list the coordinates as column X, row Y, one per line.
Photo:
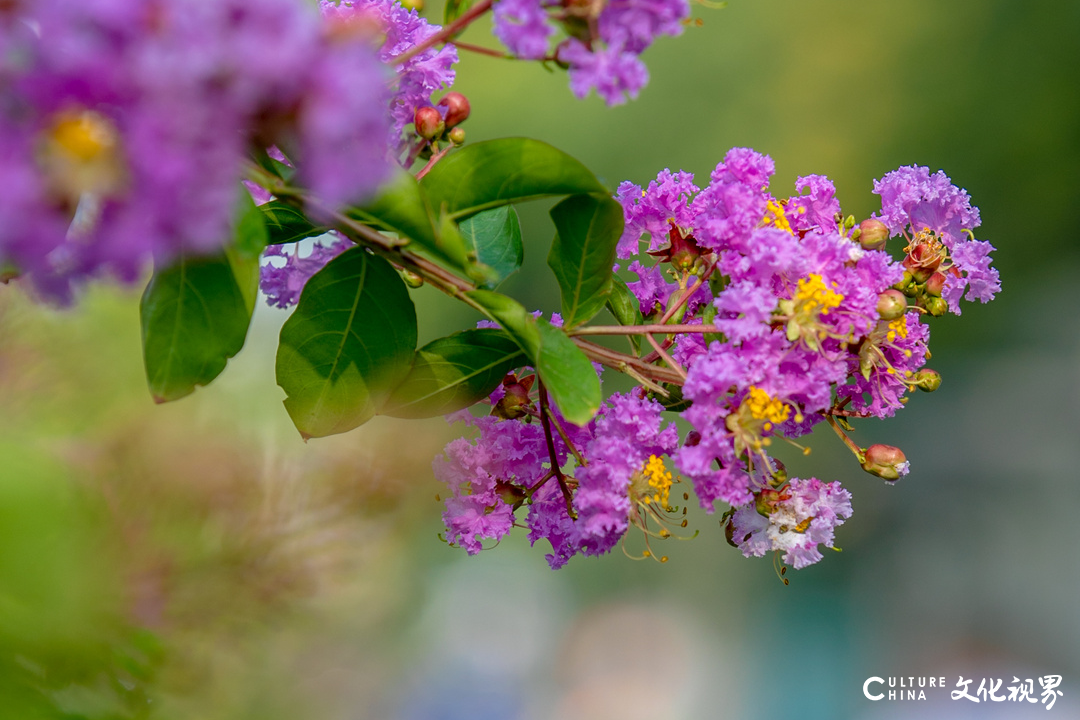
column 286, row 224
column 349, row 343
column 195, row 312
column 195, row 316
column 567, row 374
column 488, row 174
column 513, row 318
column 587, row 229
column 402, row 209
column 495, row 238
column 455, row 372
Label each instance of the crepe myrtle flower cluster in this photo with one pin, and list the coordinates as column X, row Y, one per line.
column 776, row 313
column 603, row 43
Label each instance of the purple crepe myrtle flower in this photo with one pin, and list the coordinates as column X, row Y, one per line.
column 929, row 210
column 794, row 520
column 282, row 284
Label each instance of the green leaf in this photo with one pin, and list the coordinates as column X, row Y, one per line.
column 513, row 318
column 349, row 343
column 587, row 229
column 624, row 307
column 195, row 313
column 286, row 224
column 494, row 236
column 567, row 374
column 454, row 372
column 401, row 208
column 455, row 9
column 488, row 174
column 195, row 316
column 565, row 370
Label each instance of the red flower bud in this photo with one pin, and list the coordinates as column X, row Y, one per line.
column 885, row 461
column 429, row 123
column 935, row 284
column 457, row 108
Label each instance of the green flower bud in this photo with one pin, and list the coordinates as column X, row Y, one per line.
column 457, row 136
column 417, row 5
column 411, row 279
column 873, row 234
column 935, row 306
column 429, row 123
column 907, row 285
column 926, row 380
column 885, row 461
column 891, row 305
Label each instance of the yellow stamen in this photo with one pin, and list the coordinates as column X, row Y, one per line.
column 812, row 293
column 763, row 407
column 776, row 217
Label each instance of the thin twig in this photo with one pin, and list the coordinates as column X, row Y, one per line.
column 643, row 329
column 566, row 439
column 544, row 412
column 666, row 358
column 447, row 32
column 434, row 159
column 851, row 445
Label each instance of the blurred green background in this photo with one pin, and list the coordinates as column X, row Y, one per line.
column 197, row 560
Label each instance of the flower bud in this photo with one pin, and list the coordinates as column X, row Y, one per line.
column 429, row 123
column 515, row 401
column 907, row 285
column 891, row 305
column 926, row 380
column 510, row 494
column 767, row 500
column 935, row 306
column 935, row 284
column 457, row 108
column 417, row 5
column 457, row 136
column 923, row 260
column 886, row 462
column 873, row 234
column 411, row 279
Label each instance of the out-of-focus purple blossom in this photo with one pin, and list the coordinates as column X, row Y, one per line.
column 523, row 27
column 972, row 258
column 282, row 284
column 633, row 25
column 125, row 125
column 804, row 517
column 615, row 74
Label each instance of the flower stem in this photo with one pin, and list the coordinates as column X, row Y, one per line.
column 544, row 412
column 855, row 449
column 434, row 159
